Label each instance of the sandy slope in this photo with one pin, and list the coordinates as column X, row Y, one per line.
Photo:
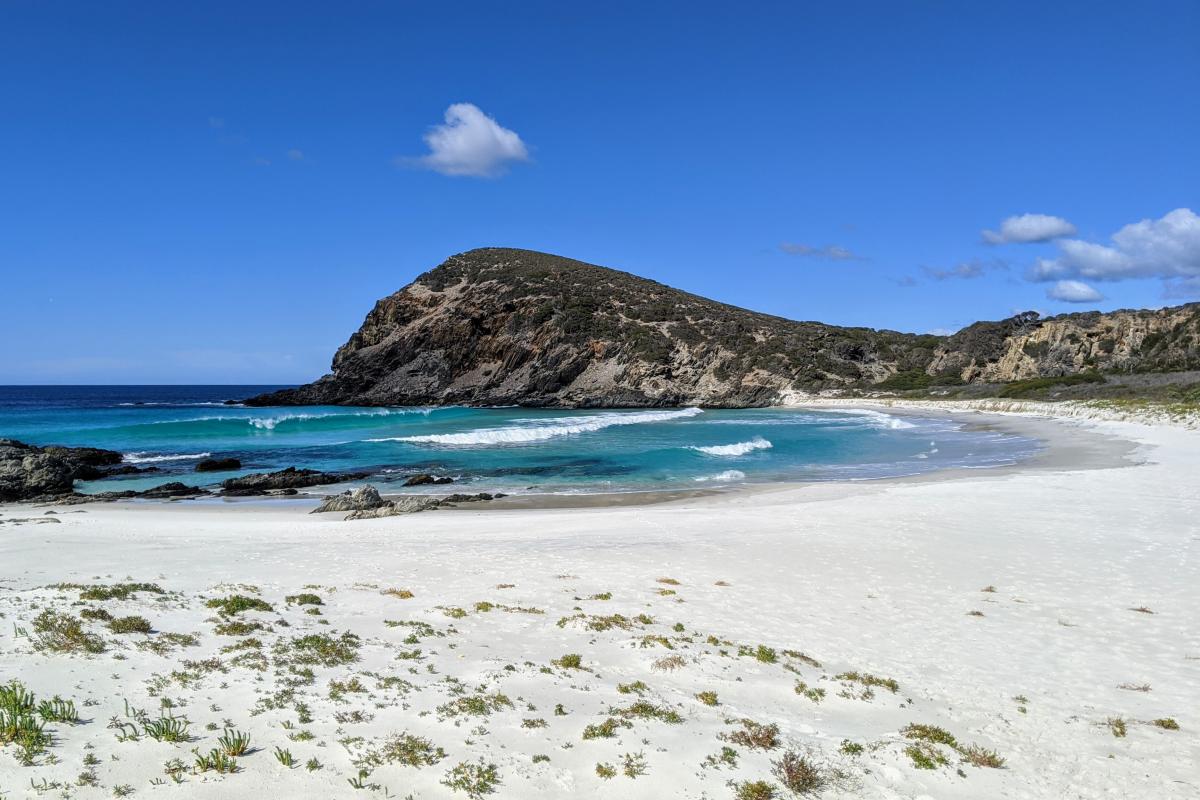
column 875, row 578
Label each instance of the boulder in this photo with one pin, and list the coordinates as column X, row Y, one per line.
column 28, row 472
column 361, row 499
column 403, row 505
column 416, row 503
column 218, row 465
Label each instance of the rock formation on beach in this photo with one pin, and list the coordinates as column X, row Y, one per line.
column 500, row 326
column 28, row 472
column 366, row 503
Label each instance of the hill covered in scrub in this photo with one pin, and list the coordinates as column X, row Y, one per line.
column 499, row 326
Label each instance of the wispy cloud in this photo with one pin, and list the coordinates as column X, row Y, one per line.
column 1073, row 292
column 295, row 154
column 471, row 143
column 830, row 252
column 1181, row 289
column 965, row 270
column 1028, row 228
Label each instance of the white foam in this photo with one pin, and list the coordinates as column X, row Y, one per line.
column 877, row 418
column 269, row 423
column 151, row 458
column 739, row 449
column 541, row 430
column 183, row 404
column 727, row 475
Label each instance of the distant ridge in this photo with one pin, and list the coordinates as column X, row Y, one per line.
column 500, row 326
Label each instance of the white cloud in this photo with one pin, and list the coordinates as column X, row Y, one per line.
column 1030, row 228
column 1073, row 292
column 831, row 252
column 1167, row 248
column 295, row 154
column 471, row 143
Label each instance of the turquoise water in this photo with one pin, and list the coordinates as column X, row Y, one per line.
column 507, row 449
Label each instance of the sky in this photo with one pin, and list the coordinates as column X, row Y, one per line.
column 219, row 192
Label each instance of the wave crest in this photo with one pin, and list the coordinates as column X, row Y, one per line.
column 154, row 458
column 269, row 423
column 739, row 449
column 727, row 475
column 540, row 431
column 877, row 418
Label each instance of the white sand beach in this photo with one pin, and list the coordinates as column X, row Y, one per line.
column 1044, row 616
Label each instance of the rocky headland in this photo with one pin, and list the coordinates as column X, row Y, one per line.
column 501, row 326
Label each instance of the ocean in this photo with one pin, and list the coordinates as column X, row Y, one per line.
column 514, row 450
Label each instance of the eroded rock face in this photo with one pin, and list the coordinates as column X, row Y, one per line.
column 1025, row 346
column 283, row 480
column 500, row 326
column 28, row 472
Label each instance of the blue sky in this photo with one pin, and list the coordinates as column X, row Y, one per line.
column 220, row 192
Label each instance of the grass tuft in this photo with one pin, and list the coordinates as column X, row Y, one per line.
column 474, row 780
column 235, row 604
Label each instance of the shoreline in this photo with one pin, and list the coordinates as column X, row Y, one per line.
column 1067, row 442
column 1025, row 611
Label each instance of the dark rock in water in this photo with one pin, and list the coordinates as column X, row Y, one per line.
column 28, row 472
column 423, row 478
column 166, row 491
column 362, row 499
column 290, row 478
column 173, row 489
column 129, row 469
column 218, row 465
column 89, row 456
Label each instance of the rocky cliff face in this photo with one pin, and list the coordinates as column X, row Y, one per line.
column 501, row 326
column 1165, row 340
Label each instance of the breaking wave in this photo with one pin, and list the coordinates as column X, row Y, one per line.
column 739, row 449
column 877, row 418
column 727, row 475
column 269, row 423
column 154, row 458
column 541, row 430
